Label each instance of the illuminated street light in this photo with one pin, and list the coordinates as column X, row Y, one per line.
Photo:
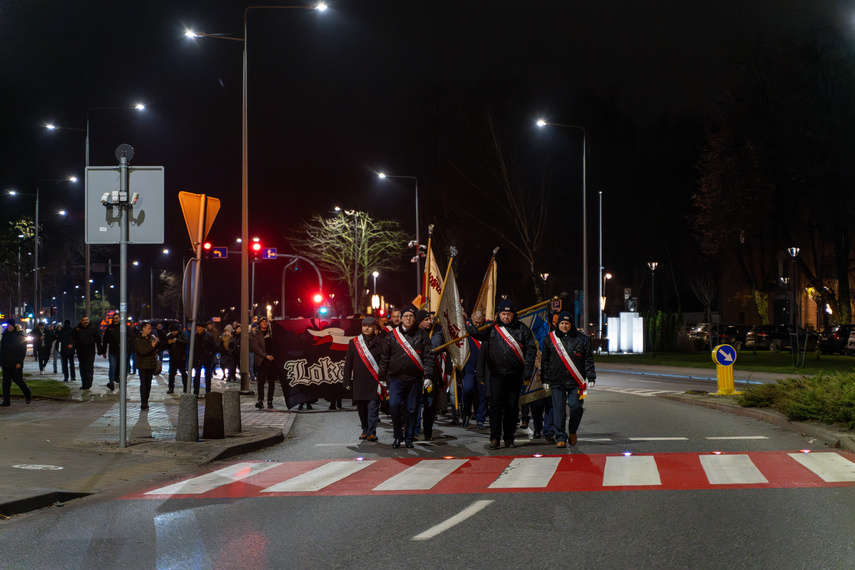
column 383, row 176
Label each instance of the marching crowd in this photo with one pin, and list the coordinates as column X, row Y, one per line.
column 397, row 363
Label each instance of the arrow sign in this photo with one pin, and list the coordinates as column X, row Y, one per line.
column 724, row 355
column 268, row 253
column 219, row 252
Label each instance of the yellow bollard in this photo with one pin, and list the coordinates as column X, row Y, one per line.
column 724, row 356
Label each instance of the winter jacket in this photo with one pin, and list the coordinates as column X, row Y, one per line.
column 204, row 349
column 112, row 342
column 63, row 339
column 396, row 364
column 499, row 358
column 146, row 353
column 86, row 340
column 257, row 344
column 357, row 376
column 13, row 348
column 578, row 347
column 178, row 349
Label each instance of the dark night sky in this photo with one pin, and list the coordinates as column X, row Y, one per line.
column 335, row 96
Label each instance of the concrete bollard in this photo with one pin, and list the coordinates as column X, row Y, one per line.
column 231, row 411
column 188, row 418
column 213, row 427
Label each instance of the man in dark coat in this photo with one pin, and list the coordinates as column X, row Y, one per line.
column 176, row 344
column 567, row 367
column 508, row 351
column 261, row 345
column 362, row 377
column 36, row 339
column 86, row 341
column 66, row 350
column 474, row 392
column 407, row 364
column 45, row 345
column 204, row 350
column 13, row 351
column 111, row 349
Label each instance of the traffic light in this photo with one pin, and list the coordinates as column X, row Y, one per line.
column 321, row 304
column 256, row 248
column 206, row 250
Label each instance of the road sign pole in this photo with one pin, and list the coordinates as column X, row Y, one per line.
column 124, row 223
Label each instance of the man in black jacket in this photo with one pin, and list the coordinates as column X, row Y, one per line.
column 13, row 351
column 567, row 367
column 66, row 350
column 508, row 350
column 111, row 348
column 176, row 343
column 86, row 340
column 362, row 377
column 205, row 348
column 407, row 364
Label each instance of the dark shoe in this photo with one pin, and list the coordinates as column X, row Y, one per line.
column 536, row 435
column 573, row 439
column 5, row 404
column 371, row 438
column 29, row 398
column 309, row 407
column 396, row 444
column 300, row 407
column 465, row 422
column 144, row 407
column 524, row 424
column 550, row 439
column 482, row 426
column 494, row 444
column 332, row 406
column 509, row 443
column 561, row 444
column 409, row 443
column 259, row 404
column 428, row 438
column 111, row 387
column 269, row 405
column 363, row 436
column 170, row 391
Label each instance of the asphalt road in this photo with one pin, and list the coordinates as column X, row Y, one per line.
column 795, row 520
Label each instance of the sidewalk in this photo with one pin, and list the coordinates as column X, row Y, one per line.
column 58, row 450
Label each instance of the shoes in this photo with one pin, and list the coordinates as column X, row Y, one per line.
column 111, row 387
column 309, row 407
column 259, row 404
column 573, row 439
column 524, row 424
column 363, row 436
column 465, row 422
column 5, row 404
column 550, row 439
column 29, row 398
column 170, row 391
column 396, row 444
column 269, row 405
column 332, row 406
column 144, row 407
column 41, row 372
column 371, row 437
column 509, row 443
column 409, row 443
column 482, row 426
column 561, row 444
column 536, row 435
column 428, row 438
column 494, row 444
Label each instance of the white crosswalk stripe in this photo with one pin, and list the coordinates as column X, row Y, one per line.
column 317, row 479
column 527, row 472
column 633, row 470
column 423, row 475
column 211, row 481
column 731, row 470
column 636, row 391
column 831, row 467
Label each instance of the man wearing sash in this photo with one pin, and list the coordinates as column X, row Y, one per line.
column 567, row 366
column 474, row 392
column 407, row 364
column 508, row 351
column 362, row 377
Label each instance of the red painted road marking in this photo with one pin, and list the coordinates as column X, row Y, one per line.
column 575, row 472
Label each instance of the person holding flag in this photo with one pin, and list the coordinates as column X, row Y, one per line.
column 362, row 377
column 567, row 367
column 407, row 364
column 508, row 350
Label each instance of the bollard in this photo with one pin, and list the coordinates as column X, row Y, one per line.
column 213, row 427
column 188, row 418
column 724, row 356
column 231, row 411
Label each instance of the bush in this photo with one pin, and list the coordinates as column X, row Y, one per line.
column 826, row 397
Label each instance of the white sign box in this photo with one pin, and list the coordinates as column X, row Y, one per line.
column 146, row 216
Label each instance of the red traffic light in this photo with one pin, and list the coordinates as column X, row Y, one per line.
column 318, row 298
column 256, row 247
column 207, row 246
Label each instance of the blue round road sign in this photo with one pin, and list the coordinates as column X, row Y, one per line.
column 724, row 355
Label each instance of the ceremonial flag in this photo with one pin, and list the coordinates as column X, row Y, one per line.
column 433, row 280
column 486, row 301
column 452, row 320
column 538, row 322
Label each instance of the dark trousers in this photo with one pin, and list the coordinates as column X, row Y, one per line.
column 175, row 367
column 146, row 374
column 16, row 375
column 541, row 413
column 369, row 415
column 267, row 376
column 474, row 399
column 68, row 362
column 403, row 403
column 44, row 356
column 504, row 405
column 197, row 376
column 564, row 399
column 428, row 411
column 87, row 369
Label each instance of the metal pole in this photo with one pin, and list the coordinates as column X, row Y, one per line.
column 252, row 289
column 36, row 262
column 244, row 244
column 195, row 295
column 151, row 293
column 355, row 261
column 600, row 284
column 282, row 290
column 418, row 252
column 124, row 223
column 86, row 252
column 586, row 299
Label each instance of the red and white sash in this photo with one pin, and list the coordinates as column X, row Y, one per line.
column 506, row 336
column 370, row 363
column 388, row 328
column 569, row 364
column 408, row 349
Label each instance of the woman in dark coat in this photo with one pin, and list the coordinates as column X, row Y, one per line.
column 145, row 346
column 361, row 377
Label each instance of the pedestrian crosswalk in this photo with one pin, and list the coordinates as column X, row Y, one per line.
column 562, row 473
column 637, row 391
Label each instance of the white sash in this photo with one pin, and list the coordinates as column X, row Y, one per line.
column 367, row 357
column 569, row 364
column 411, row 352
column 506, row 336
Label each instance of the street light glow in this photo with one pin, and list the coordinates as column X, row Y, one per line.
column 61, row 212
column 50, row 126
column 541, row 123
column 321, row 7
column 191, row 34
column 72, row 179
column 381, row 175
column 139, row 106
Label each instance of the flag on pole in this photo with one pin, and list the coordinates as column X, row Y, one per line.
column 452, row 320
column 486, row 301
column 433, row 279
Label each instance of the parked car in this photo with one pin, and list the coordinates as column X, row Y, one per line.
column 850, row 346
column 700, row 335
column 835, row 339
column 734, row 335
column 777, row 338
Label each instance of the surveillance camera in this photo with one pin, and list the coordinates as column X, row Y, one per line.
column 105, row 198
column 412, row 244
column 134, row 197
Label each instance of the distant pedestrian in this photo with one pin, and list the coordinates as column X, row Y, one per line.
column 362, row 377
column 159, row 331
column 13, row 351
column 56, row 346
column 204, row 349
column 66, row 351
column 111, row 349
column 227, row 354
column 145, row 346
column 46, row 340
column 86, row 341
column 261, row 344
column 176, row 344
column 567, row 367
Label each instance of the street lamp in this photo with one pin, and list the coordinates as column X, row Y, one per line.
column 603, row 280
column 794, row 253
column 375, row 274
column 244, row 247
column 383, row 175
column 652, row 265
column 544, row 277
column 542, row 123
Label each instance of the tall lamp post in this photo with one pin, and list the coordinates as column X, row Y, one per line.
column 794, row 253
column 601, row 282
column 375, row 274
column 543, row 123
column 603, row 279
column 244, row 247
column 652, row 265
column 383, row 175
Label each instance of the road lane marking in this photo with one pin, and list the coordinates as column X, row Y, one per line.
column 421, row 476
column 469, row 511
column 630, row 471
column 317, row 479
column 658, row 439
column 527, row 472
column 739, row 437
column 731, row 470
column 832, row 468
column 211, row 481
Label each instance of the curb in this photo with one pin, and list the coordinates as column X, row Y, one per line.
column 831, row 436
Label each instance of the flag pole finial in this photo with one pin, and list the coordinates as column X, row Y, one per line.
column 452, row 251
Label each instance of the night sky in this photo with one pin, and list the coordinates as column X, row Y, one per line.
column 374, row 85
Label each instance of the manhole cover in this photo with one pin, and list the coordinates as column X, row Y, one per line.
column 38, row 467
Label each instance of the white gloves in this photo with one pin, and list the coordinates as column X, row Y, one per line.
column 427, row 383
column 545, row 385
